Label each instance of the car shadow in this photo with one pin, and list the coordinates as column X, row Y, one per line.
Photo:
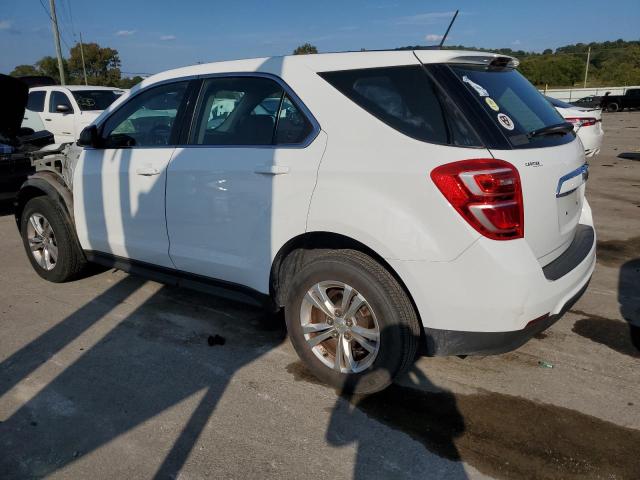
column 432, row 419
column 6, row 208
column 629, row 298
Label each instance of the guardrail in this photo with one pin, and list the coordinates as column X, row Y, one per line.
column 572, row 94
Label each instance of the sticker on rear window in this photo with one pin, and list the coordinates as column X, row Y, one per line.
column 481, row 90
column 505, row 121
column 492, row 104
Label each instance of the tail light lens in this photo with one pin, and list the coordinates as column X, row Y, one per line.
column 487, row 193
column 582, row 122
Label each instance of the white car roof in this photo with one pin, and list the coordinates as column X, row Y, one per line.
column 324, row 62
column 75, row 88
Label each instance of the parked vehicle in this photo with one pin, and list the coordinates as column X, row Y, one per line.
column 67, row 110
column 592, row 101
column 15, row 143
column 617, row 103
column 587, row 123
column 392, row 203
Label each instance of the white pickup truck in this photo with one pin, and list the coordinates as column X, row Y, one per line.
column 65, row 111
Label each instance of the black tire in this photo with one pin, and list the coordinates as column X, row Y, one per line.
column 613, row 107
column 70, row 260
column 398, row 323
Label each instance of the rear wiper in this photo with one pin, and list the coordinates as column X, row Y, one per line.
column 557, row 129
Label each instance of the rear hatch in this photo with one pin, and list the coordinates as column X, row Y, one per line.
column 540, row 144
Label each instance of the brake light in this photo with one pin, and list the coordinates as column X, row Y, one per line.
column 487, row 193
column 582, row 122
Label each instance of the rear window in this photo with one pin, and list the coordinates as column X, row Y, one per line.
column 406, row 99
column 95, row 99
column 559, row 103
column 513, row 104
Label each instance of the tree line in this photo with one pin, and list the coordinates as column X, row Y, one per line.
column 102, row 66
column 611, row 63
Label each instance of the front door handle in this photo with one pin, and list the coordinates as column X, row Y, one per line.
column 272, row 169
column 148, row 171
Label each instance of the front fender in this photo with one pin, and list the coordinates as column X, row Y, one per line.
column 49, row 184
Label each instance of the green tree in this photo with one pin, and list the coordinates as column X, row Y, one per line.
column 130, row 82
column 305, row 49
column 49, row 66
column 102, row 64
column 22, row 70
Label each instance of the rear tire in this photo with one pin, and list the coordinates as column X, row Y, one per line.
column 50, row 241
column 348, row 356
column 613, row 107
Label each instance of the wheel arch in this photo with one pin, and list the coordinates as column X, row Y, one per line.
column 44, row 184
column 294, row 254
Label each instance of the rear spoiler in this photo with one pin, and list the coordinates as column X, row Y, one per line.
column 488, row 60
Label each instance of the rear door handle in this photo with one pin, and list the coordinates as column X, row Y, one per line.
column 148, row 171
column 272, row 169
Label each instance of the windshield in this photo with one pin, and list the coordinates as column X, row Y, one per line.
column 95, row 99
column 513, row 104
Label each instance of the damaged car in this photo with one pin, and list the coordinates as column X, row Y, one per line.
column 392, row 203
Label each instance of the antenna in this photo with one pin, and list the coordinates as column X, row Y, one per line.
column 448, row 28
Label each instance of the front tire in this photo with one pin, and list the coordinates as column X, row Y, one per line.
column 351, row 322
column 49, row 241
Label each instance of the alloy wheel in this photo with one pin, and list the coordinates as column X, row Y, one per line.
column 340, row 327
column 42, row 241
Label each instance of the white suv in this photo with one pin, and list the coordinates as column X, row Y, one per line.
column 66, row 111
column 393, row 203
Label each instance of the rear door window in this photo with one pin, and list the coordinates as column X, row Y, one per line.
column 35, row 103
column 513, row 104
column 247, row 111
column 406, row 99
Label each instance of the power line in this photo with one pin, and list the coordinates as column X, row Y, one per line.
column 46, row 10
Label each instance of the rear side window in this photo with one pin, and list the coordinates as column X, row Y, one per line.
column 35, row 103
column 513, row 104
column 406, row 99
column 247, row 111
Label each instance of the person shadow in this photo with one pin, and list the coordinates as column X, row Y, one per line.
column 414, row 406
column 151, row 361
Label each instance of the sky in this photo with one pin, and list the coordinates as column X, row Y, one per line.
column 158, row 35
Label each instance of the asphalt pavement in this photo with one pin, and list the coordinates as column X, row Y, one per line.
column 114, row 376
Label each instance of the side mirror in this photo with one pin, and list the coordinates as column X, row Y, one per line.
column 89, row 137
column 63, row 109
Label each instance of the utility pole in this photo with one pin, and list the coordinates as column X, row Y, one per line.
column 56, row 39
column 586, row 67
column 84, row 68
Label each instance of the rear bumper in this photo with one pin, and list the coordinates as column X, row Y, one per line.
column 484, row 300
column 454, row 342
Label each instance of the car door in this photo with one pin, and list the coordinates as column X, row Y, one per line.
column 242, row 185
column 119, row 190
column 35, row 107
column 59, row 117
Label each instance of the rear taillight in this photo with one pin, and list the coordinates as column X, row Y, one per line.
column 487, row 193
column 582, row 122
